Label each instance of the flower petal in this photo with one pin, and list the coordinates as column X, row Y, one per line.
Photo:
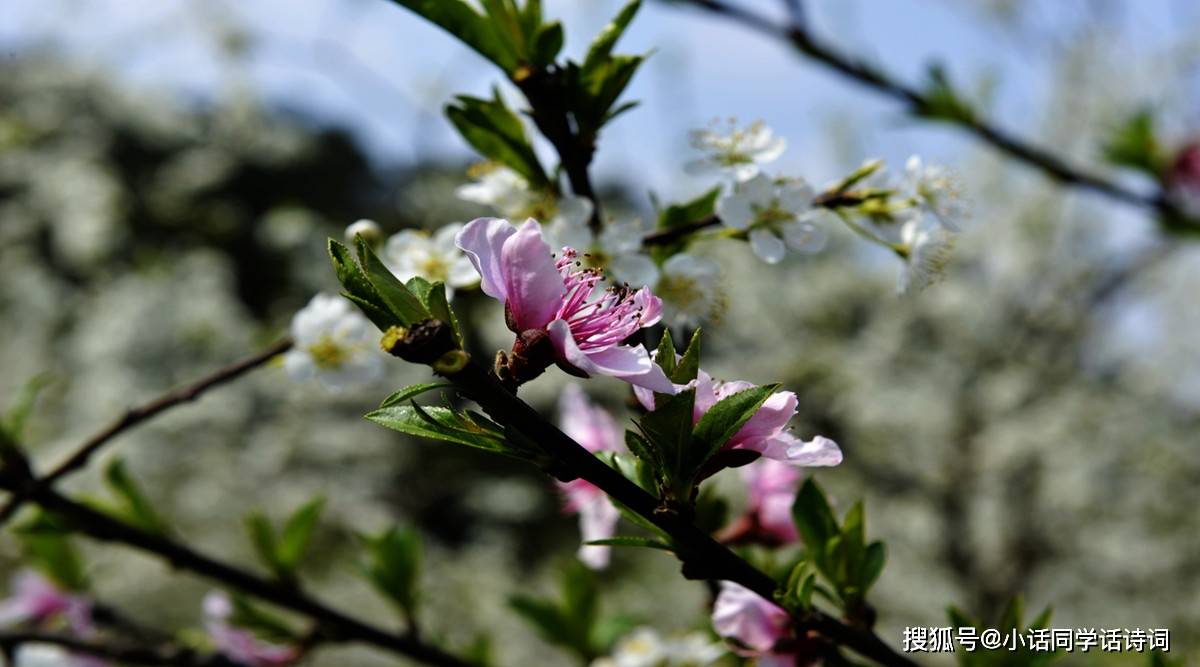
column 820, row 451
column 483, row 240
column 767, row 246
column 597, row 521
column 532, row 282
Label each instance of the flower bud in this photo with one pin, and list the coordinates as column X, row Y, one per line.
column 369, row 230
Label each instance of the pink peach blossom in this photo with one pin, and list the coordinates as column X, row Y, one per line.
column 771, row 489
column 755, row 624
column 239, row 644
column 596, row 430
column 559, row 300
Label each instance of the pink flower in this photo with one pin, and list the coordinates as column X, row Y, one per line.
column 39, row 601
column 755, row 625
column 596, row 430
column 544, row 298
column 238, row 644
column 1183, row 179
column 766, row 432
column 771, row 486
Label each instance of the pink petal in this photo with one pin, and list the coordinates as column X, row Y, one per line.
column 633, row 365
column 597, row 521
column 741, row 614
column 533, row 284
column 482, row 240
column 770, row 419
column 587, row 424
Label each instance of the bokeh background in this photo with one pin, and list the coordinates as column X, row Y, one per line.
column 169, row 172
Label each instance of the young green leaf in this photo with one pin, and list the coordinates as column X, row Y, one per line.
column 402, row 303
column 814, row 521
column 1134, row 144
column 724, row 419
column 688, row 366
column 467, row 25
column 410, row 392
column 665, row 356
column 496, row 132
column 602, row 46
column 547, row 43
column 262, row 539
column 445, row 425
column 668, row 430
column 393, row 564
column 297, row 533
column 134, row 504
column 632, row 541
column 359, row 289
column 46, row 541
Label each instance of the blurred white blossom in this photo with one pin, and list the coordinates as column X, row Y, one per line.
column 334, row 343
column 434, row 258
column 738, row 153
column 926, row 250
column 645, row 647
column 936, row 190
column 775, row 213
column 690, row 290
column 369, row 230
column 510, row 195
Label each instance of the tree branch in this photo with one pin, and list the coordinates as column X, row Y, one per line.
column 1043, row 159
column 190, row 392
column 701, row 555
column 333, row 625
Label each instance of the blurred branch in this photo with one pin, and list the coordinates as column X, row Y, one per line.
column 331, row 625
column 702, row 556
column 1041, row 158
column 167, row 655
column 80, row 457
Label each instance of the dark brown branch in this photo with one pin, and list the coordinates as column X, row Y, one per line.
column 1038, row 157
column 333, row 625
column 80, row 457
column 150, row 656
column 701, row 555
column 575, row 151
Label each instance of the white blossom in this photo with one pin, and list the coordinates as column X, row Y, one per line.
column 368, row 229
column 739, row 153
column 334, row 344
column 645, row 647
column 926, row 250
column 617, row 248
column 689, row 288
column 435, row 258
column 510, row 195
column 936, row 190
column 776, row 215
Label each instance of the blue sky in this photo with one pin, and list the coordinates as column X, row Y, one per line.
column 378, row 69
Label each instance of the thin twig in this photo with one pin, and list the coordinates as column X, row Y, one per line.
column 190, row 392
column 150, row 656
column 1038, row 157
column 334, row 625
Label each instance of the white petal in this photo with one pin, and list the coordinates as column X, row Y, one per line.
column 636, row 269
column 820, row 451
column 735, row 210
column 795, row 196
column 804, row 237
column 767, row 246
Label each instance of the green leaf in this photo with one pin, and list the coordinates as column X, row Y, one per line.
column 544, row 616
column 723, row 420
column 262, row 539
column 942, row 101
column 665, row 356
column 668, row 429
column 393, row 565
column 297, row 533
column 1134, row 144
column 547, row 44
column 639, row 447
column 47, row 544
column 471, row 28
column 491, row 128
column 814, row 521
column 602, row 46
column 402, row 303
column 359, row 289
column 405, row 394
column 688, row 366
column 873, row 562
column 439, row 307
column 445, row 425
column 135, row 506
column 264, row 624
column 632, row 541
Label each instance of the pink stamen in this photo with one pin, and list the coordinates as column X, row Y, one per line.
column 601, row 322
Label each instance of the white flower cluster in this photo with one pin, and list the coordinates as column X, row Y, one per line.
column 775, row 214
